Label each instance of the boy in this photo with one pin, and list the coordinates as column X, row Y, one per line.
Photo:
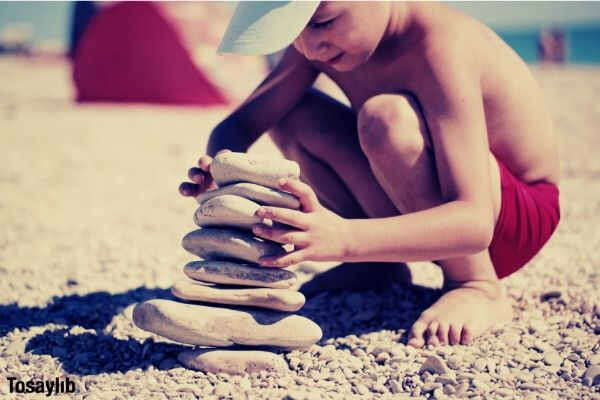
column 445, row 154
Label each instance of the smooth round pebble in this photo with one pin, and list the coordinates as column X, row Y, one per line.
column 594, row 360
column 435, row 365
column 233, row 362
column 592, row 376
column 232, row 167
column 227, row 210
column 223, row 327
column 261, row 194
column 275, row 299
column 211, row 243
column 552, row 358
column 230, row 273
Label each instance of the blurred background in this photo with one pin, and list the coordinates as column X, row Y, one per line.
column 119, row 50
column 46, row 27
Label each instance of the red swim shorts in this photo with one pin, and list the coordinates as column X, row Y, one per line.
column 528, row 216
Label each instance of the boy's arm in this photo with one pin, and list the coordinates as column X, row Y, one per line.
column 266, row 106
column 464, row 223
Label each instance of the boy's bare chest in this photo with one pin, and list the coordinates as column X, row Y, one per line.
column 366, row 82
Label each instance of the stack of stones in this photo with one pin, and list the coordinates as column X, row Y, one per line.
column 230, row 276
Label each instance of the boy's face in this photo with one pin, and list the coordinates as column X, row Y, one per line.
column 344, row 34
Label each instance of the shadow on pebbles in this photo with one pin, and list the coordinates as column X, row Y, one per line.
column 362, row 353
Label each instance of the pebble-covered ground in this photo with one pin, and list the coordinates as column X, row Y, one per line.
column 91, row 223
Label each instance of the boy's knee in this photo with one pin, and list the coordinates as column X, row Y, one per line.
column 389, row 119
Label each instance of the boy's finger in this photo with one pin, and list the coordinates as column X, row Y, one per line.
column 189, row 189
column 280, row 235
column 286, row 216
column 196, row 175
column 305, row 193
column 291, row 258
column 204, row 162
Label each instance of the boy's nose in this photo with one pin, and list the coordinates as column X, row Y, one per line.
column 319, row 53
column 315, row 50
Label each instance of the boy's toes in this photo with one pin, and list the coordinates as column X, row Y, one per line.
column 188, row 189
column 416, row 338
column 431, row 333
column 196, row 175
column 467, row 335
column 416, row 342
column 442, row 333
column 454, row 334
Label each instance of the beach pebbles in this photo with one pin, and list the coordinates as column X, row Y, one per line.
column 227, row 210
column 224, row 327
column 233, row 362
column 276, row 299
column 230, row 167
column 233, row 273
column 252, row 191
column 217, row 243
column 233, row 300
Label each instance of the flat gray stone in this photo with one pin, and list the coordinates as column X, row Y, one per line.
column 223, row 327
column 227, row 210
column 275, row 299
column 435, row 365
column 230, row 273
column 592, row 376
column 233, row 362
column 258, row 193
column 215, row 243
column 231, row 167
column 552, row 358
column 594, row 360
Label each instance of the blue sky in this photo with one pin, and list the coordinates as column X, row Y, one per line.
column 51, row 19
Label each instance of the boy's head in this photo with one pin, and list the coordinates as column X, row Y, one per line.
column 342, row 34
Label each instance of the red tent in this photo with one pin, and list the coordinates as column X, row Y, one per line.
column 130, row 52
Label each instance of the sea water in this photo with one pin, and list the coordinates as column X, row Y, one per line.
column 582, row 43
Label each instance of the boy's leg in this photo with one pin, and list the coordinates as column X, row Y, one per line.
column 320, row 134
column 394, row 137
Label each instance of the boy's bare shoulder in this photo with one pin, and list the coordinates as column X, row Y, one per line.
column 455, row 45
column 452, row 37
column 457, row 38
column 468, row 54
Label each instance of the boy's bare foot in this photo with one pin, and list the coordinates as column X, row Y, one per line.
column 357, row 276
column 465, row 311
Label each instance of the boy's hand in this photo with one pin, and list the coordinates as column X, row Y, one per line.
column 201, row 178
column 316, row 233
